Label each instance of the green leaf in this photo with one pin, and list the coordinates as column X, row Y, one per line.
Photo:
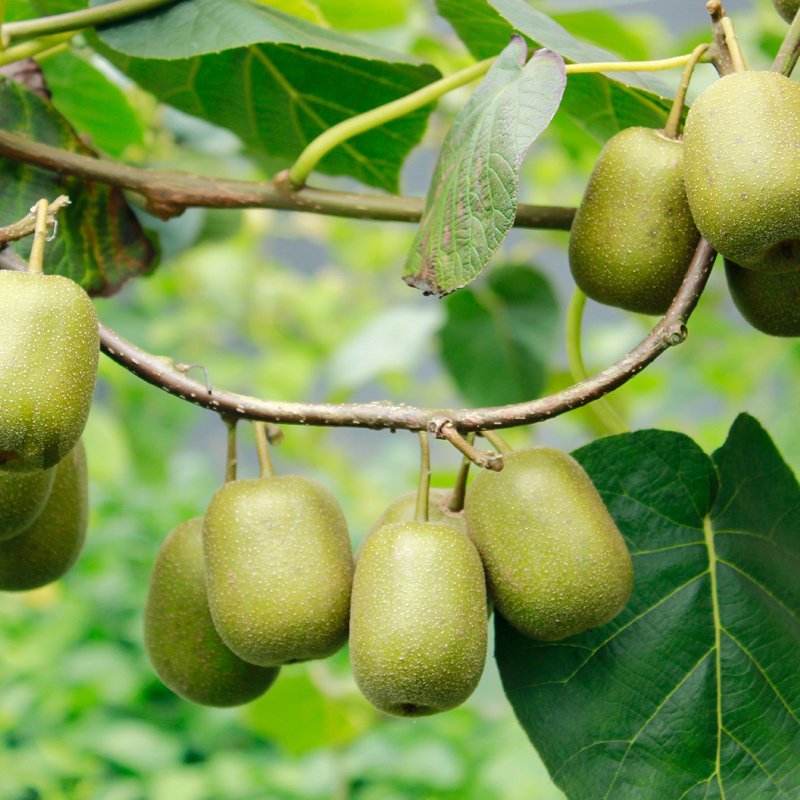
column 498, row 337
column 275, row 80
column 99, row 243
column 602, row 105
column 472, row 200
column 693, row 690
column 93, row 104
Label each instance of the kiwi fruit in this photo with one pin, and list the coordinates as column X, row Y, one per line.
column 279, row 569
column 556, row 564
column 418, row 629
column 22, row 498
column 49, row 346
column 182, row 643
column 49, row 547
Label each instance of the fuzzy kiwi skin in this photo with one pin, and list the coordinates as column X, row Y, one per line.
column 49, row 346
column 418, row 630
column 556, row 564
column 770, row 302
column 633, row 236
column 279, row 568
column 786, row 8
column 181, row 641
column 22, row 498
column 742, row 169
column 404, row 509
column 47, row 549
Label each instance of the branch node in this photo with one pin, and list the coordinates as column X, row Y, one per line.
column 675, row 335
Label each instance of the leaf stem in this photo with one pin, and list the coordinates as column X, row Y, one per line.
column 423, row 490
column 789, row 50
column 318, row 148
column 606, row 416
column 33, row 48
column 74, row 21
column 672, row 129
column 262, row 446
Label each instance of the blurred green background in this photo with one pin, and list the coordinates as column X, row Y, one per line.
column 296, row 307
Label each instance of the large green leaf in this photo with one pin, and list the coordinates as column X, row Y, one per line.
column 693, row 691
column 472, row 200
column 91, row 103
column 603, row 105
column 99, row 243
column 498, row 337
column 275, row 80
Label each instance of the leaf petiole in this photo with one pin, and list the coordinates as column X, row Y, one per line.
column 318, row 148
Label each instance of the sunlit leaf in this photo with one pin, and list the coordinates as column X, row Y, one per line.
column 472, row 200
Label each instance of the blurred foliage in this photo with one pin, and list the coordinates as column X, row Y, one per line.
column 294, row 307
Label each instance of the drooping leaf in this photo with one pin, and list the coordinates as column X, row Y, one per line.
column 498, row 338
column 472, row 200
column 275, row 80
column 99, row 243
column 693, row 690
column 91, row 103
column 603, row 105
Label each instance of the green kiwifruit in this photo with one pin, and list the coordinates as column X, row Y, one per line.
column 49, row 345
column 22, row 498
column 47, row 549
column 633, row 236
column 182, row 643
column 742, row 169
column 418, row 620
column 279, row 569
column 555, row 562
column 769, row 301
column 405, row 508
column 786, row 8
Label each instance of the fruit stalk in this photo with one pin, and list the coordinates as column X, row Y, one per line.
column 231, row 459
column 36, row 260
column 789, row 50
column 456, row 503
column 421, row 514
column 262, row 445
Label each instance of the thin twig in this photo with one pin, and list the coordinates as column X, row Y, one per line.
column 169, row 192
column 27, row 225
column 481, row 458
column 161, row 372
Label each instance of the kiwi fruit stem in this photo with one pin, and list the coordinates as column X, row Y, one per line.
column 604, row 412
column 498, row 442
column 231, row 460
column 421, row 514
column 36, row 260
column 733, row 45
column 262, row 445
column 673, row 127
column 456, row 503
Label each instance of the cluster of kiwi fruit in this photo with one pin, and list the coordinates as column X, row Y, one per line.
column 267, row 578
column 49, row 346
column 733, row 177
